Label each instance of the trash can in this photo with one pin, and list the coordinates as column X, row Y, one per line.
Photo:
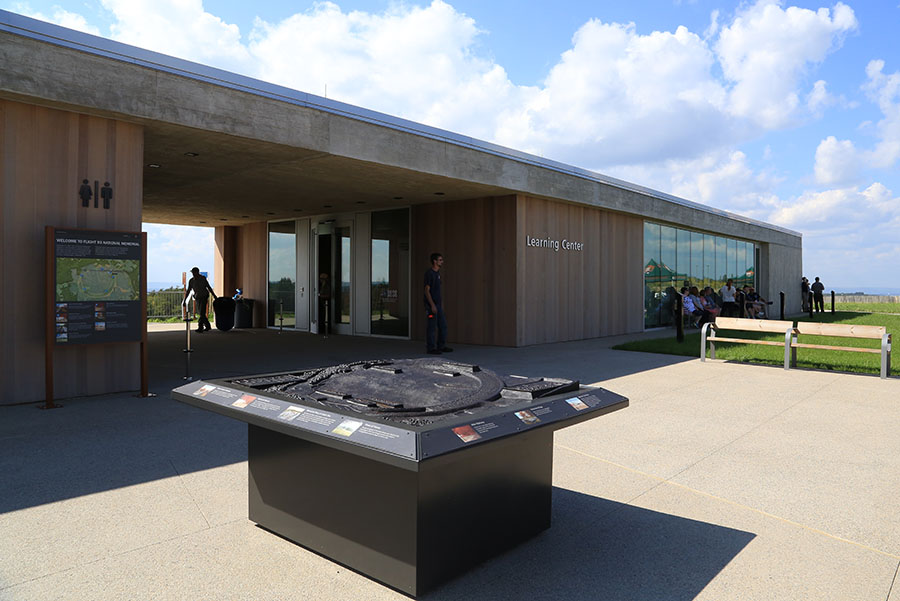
column 224, row 310
column 243, row 313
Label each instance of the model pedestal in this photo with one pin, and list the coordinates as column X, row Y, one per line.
column 411, row 529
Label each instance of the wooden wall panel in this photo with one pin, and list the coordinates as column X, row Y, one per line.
column 477, row 239
column 44, row 155
column 569, row 294
column 252, row 246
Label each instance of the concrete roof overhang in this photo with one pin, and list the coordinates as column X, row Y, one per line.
column 235, row 150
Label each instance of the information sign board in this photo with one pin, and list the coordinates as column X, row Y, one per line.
column 97, row 286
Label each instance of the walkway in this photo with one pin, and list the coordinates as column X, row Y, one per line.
column 720, row 481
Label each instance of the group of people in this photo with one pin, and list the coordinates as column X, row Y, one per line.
column 816, row 290
column 703, row 306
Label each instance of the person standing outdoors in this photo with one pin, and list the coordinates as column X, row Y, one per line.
column 729, row 305
column 804, row 294
column 817, row 289
column 200, row 285
column 436, row 327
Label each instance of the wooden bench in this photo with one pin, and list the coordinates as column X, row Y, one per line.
column 843, row 330
column 710, row 331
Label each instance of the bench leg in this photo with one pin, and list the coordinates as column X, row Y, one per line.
column 886, row 356
column 787, row 349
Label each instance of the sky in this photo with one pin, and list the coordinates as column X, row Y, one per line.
column 786, row 112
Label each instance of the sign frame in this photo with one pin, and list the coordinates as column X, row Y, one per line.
column 51, row 311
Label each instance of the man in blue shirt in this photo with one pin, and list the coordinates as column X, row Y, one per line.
column 434, row 309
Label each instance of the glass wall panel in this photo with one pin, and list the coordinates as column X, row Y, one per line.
column 684, row 258
column 652, row 275
column 282, row 273
column 668, row 256
column 721, row 269
column 709, row 260
column 390, row 272
column 342, row 271
column 696, row 258
column 731, row 259
column 751, row 263
column 741, row 280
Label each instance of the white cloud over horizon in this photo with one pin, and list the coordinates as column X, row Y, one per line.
column 666, row 109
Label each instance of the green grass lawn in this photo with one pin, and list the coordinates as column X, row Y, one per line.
column 865, row 307
column 774, row 355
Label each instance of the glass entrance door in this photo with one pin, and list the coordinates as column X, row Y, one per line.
column 334, row 287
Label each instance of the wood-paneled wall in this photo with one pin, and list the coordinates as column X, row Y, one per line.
column 477, row 239
column 571, row 294
column 44, row 155
column 240, row 262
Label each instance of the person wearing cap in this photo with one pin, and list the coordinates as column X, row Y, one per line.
column 200, row 285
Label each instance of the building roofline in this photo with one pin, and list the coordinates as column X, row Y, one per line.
column 91, row 44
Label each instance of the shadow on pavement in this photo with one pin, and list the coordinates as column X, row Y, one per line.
column 100, row 443
column 601, row 549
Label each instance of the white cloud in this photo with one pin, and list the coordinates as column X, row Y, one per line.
column 845, row 210
column 60, row 16
column 885, row 91
column 767, row 49
column 180, row 28
column 819, row 98
column 837, row 162
column 172, row 250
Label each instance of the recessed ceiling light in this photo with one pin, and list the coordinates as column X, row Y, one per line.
column 269, row 213
column 297, row 210
column 245, row 216
column 398, row 198
column 438, row 193
column 360, row 202
column 154, row 165
column 326, row 206
column 202, row 222
column 222, row 219
column 192, row 154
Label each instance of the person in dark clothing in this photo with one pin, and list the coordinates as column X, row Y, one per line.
column 201, row 288
column 804, row 294
column 817, row 289
column 436, row 327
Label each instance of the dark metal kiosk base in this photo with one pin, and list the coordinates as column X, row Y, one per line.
column 409, row 529
column 408, row 471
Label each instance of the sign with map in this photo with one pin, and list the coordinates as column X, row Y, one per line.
column 98, row 286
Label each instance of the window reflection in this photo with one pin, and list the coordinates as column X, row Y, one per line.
column 282, row 273
column 673, row 256
column 390, row 273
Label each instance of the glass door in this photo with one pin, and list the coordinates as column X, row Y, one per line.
column 333, row 268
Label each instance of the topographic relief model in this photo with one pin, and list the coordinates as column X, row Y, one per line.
column 94, row 280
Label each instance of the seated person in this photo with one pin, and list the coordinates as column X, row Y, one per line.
column 693, row 307
column 756, row 305
column 740, row 299
column 708, row 302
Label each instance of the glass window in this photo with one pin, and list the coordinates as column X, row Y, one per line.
column 741, row 265
column 721, row 269
column 652, row 275
column 731, row 259
column 342, row 291
column 709, row 260
column 684, row 258
column 282, row 273
column 390, row 272
column 696, row 258
column 668, row 256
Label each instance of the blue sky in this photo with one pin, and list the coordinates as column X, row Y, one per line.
column 788, row 112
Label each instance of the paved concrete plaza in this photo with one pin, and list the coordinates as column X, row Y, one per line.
column 720, row 481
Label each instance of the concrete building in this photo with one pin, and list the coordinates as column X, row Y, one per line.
column 298, row 186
